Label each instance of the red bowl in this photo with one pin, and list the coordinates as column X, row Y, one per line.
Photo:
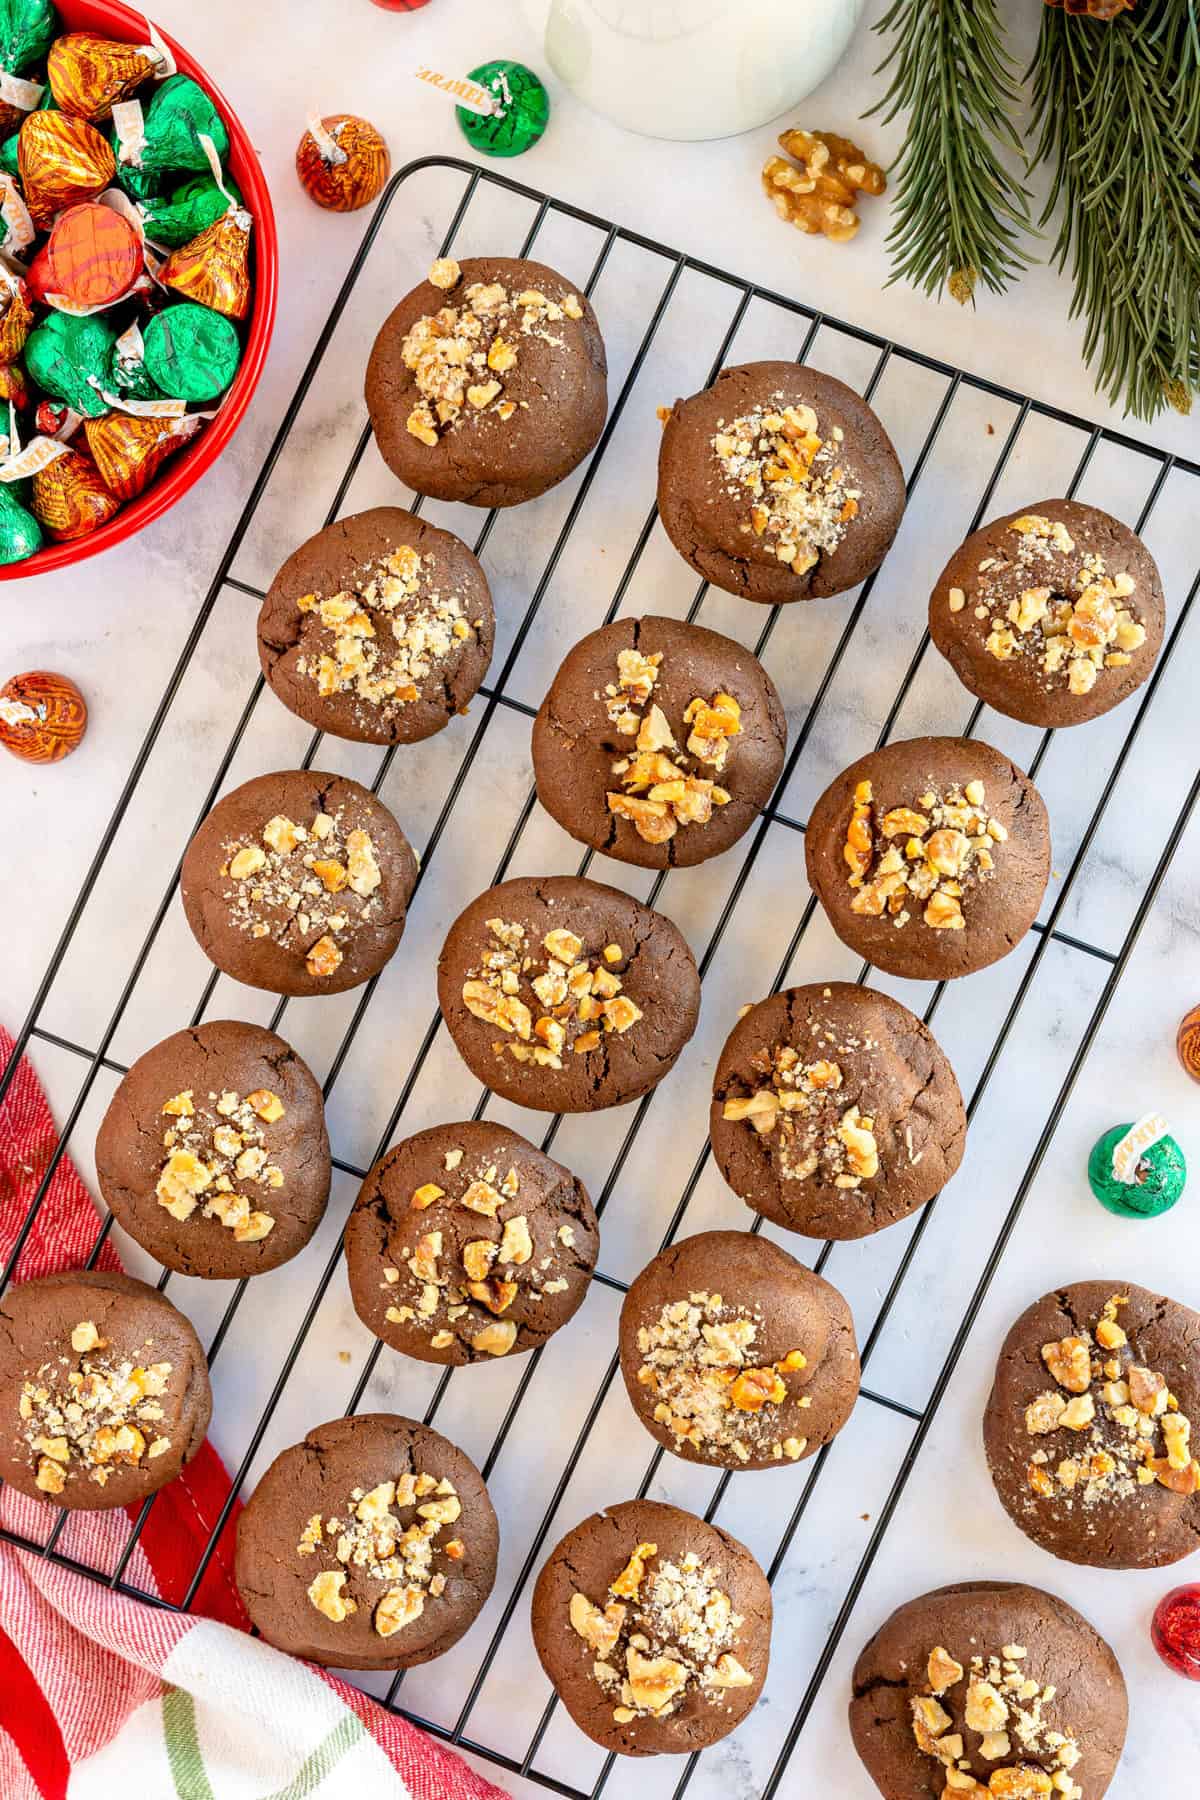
column 111, row 19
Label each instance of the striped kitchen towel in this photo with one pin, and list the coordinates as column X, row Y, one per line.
column 102, row 1693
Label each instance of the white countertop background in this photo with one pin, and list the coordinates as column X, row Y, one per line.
column 117, row 624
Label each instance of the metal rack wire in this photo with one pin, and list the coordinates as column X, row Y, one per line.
column 478, row 184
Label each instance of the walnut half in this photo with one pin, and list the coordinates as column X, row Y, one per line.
column 818, row 197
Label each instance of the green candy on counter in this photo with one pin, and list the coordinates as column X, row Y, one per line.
column 521, row 108
column 1159, row 1171
column 191, row 352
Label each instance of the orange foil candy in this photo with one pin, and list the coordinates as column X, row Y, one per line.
column 214, row 268
column 129, row 450
column 16, row 324
column 92, row 257
column 61, row 160
column 345, row 165
column 42, row 716
column 87, row 74
column 69, row 499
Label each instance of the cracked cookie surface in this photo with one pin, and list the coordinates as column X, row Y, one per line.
column 835, row 1112
column 990, row 1690
column 779, row 483
column 654, row 1628
column 567, row 995
column 466, row 1243
column 298, row 882
column 735, row 1355
column 1093, row 1424
column 213, row 1152
column 104, row 1390
column 487, row 383
column 659, row 742
column 378, row 629
column 1053, row 614
column 372, row 1544
column 930, row 856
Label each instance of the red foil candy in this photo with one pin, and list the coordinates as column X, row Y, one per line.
column 347, row 166
column 69, row 499
column 87, row 74
column 42, row 716
column 214, row 268
column 92, row 257
column 129, row 450
column 60, row 160
column 49, row 418
column 1176, row 1630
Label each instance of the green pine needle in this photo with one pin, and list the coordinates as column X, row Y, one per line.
column 1117, row 108
column 960, row 216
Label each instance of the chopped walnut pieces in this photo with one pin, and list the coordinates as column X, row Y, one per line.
column 1147, row 1391
column 497, row 1339
column 1043, row 1414
column 325, row 1593
column 1049, row 603
column 793, row 485
column 1070, row 1362
column 324, row 959
column 947, row 851
column 630, row 1579
column 367, row 1535
column 571, row 986
column 216, row 1142
column 942, row 1670
column 293, row 895
column 599, row 1630
column 697, row 1361
column 425, row 1195
column 820, row 194
column 445, row 273
column 659, row 792
column 672, row 1630
column 451, row 352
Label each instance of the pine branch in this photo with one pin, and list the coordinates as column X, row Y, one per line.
column 1117, row 110
column 959, row 214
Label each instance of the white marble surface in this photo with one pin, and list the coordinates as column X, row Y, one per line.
column 119, row 623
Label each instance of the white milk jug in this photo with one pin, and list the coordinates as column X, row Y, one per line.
column 693, row 68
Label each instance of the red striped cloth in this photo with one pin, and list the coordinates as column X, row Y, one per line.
column 79, row 1661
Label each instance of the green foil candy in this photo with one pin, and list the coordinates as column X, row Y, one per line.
column 27, row 30
column 1161, row 1173
column 179, row 217
column 192, row 353
column 20, row 533
column 62, row 354
column 174, row 119
column 522, row 107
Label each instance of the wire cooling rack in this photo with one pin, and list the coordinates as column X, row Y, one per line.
column 551, row 1431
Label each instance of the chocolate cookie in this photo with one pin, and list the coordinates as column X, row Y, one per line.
column 213, row 1153
column 566, row 995
column 779, row 483
column 834, row 1111
column 1088, row 1427
column 298, row 882
column 488, row 382
column 659, row 742
column 104, row 1391
column 930, row 856
column 371, row 1545
column 989, row 1688
column 736, row 1355
column 1052, row 615
column 379, row 628
column 654, row 1627
column 467, row 1243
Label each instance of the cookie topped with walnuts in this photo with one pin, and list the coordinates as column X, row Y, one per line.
column 1053, row 614
column 659, row 742
column 298, row 882
column 487, row 383
column 930, row 856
